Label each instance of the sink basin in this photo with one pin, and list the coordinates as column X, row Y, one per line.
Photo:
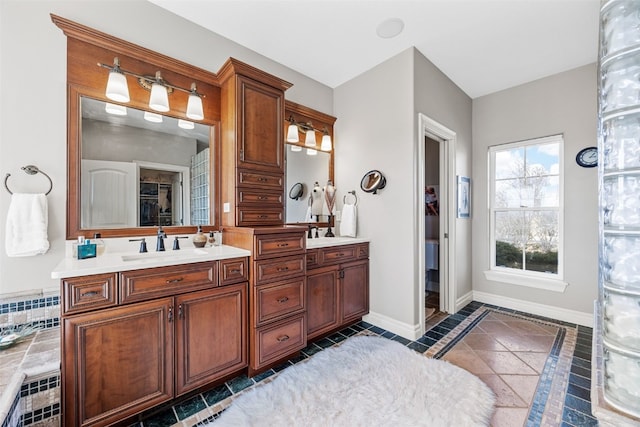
column 186, row 253
column 328, row 241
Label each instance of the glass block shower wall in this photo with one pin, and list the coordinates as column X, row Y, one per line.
column 619, row 180
column 200, row 188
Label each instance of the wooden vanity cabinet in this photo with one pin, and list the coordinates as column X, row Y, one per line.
column 337, row 287
column 252, row 154
column 132, row 356
column 277, row 299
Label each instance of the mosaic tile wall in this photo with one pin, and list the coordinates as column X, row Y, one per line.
column 38, row 402
column 43, row 308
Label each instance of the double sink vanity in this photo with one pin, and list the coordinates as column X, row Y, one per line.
column 141, row 329
column 138, row 330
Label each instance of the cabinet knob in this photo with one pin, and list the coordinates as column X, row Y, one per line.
column 283, row 300
column 283, row 269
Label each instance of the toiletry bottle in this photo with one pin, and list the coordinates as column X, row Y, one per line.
column 97, row 239
column 87, row 250
column 211, row 239
column 200, row 239
column 74, row 246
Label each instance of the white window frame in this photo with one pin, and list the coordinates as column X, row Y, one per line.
column 533, row 279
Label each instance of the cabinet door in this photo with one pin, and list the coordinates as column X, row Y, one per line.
column 211, row 335
column 322, row 300
column 117, row 362
column 260, row 138
column 354, row 279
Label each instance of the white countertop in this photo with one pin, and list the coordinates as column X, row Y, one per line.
column 322, row 242
column 123, row 261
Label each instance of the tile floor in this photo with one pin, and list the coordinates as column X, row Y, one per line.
column 539, row 368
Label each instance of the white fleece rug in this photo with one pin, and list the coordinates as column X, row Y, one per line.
column 366, row 381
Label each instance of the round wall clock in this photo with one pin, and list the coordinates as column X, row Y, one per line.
column 587, row 157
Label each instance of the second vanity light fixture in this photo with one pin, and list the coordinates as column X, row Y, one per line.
column 310, row 136
column 118, row 90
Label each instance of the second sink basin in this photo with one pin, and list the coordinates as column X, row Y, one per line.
column 185, row 253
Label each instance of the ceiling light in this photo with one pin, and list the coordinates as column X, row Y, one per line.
column 186, row 124
column 118, row 110
column 152, row 117
column 390, row 28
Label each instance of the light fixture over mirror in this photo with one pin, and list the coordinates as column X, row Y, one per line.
column 118, row 90
column 310, row 140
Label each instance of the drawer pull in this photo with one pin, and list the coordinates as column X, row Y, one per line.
column 180, row 279
column 283, row 338
column 91, row 294
column 282, row 245
column 283, row 300
column 234, row 271
column 262, row 198
column 263, row 216
column 283, row 269
column 261, row 179
column 170, row 314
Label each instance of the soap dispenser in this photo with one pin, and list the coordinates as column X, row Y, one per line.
column 97, row 239
column 200, row 239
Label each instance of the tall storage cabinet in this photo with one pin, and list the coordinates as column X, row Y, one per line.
column 617, row 325
column 252, row 146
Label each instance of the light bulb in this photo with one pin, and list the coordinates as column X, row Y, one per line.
column 292, row 133
column 325, row 145
column 159, row 99
column 117, row 88
column 194, row 105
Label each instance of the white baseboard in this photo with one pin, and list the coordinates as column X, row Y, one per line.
column 464, row 300
column 410, row 332
column 577, row 317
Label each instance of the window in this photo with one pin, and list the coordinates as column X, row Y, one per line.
column 526, row 212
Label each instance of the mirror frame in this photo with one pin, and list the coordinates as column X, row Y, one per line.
column 319, row 121
column 85, row 48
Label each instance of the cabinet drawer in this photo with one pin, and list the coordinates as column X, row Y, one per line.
column 270, row 245
column 279, row 340
column 139, row 285
column 253, row 178
column 260, row 216
column 338, row 254
column 247, row 197
column 89, row 292
column 278, row 299
column 312, row 258
column 279, row 268
column 363, row 251
column 234, row 270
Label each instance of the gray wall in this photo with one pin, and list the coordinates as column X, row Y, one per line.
column 33, row 102
column 563, row 103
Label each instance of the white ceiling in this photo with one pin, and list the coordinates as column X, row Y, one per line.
column 482, row 45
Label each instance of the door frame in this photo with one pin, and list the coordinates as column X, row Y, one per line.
column 428, row 127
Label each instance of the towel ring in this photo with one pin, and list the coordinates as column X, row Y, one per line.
column 353, row 193
column 31, row 170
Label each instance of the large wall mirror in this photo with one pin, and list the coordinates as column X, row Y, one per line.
column 126, row 176
column 141, row 170
column 308, row 169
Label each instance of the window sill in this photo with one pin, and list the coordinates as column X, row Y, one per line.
column 554, row 285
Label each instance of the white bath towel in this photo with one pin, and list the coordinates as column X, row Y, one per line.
column 348, row 221
column 27, row 222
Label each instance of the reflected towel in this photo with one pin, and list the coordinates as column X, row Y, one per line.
column 348, row 221
column 27, row 222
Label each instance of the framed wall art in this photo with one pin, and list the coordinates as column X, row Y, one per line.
column 464, row 197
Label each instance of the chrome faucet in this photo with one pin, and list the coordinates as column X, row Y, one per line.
column 160, row 241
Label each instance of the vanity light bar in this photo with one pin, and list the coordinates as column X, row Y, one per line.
column 310, row 134
column 118, row 90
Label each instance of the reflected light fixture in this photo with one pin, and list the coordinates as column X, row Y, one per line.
column 311, row 152
column 115, row 109
column 118, row 90
column 296, row 148
column 186, row 124
column 152, row 117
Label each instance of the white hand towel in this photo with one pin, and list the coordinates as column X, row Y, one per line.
column 27, row 222
column 348, row 221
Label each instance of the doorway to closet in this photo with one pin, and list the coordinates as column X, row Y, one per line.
column 435, row 213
